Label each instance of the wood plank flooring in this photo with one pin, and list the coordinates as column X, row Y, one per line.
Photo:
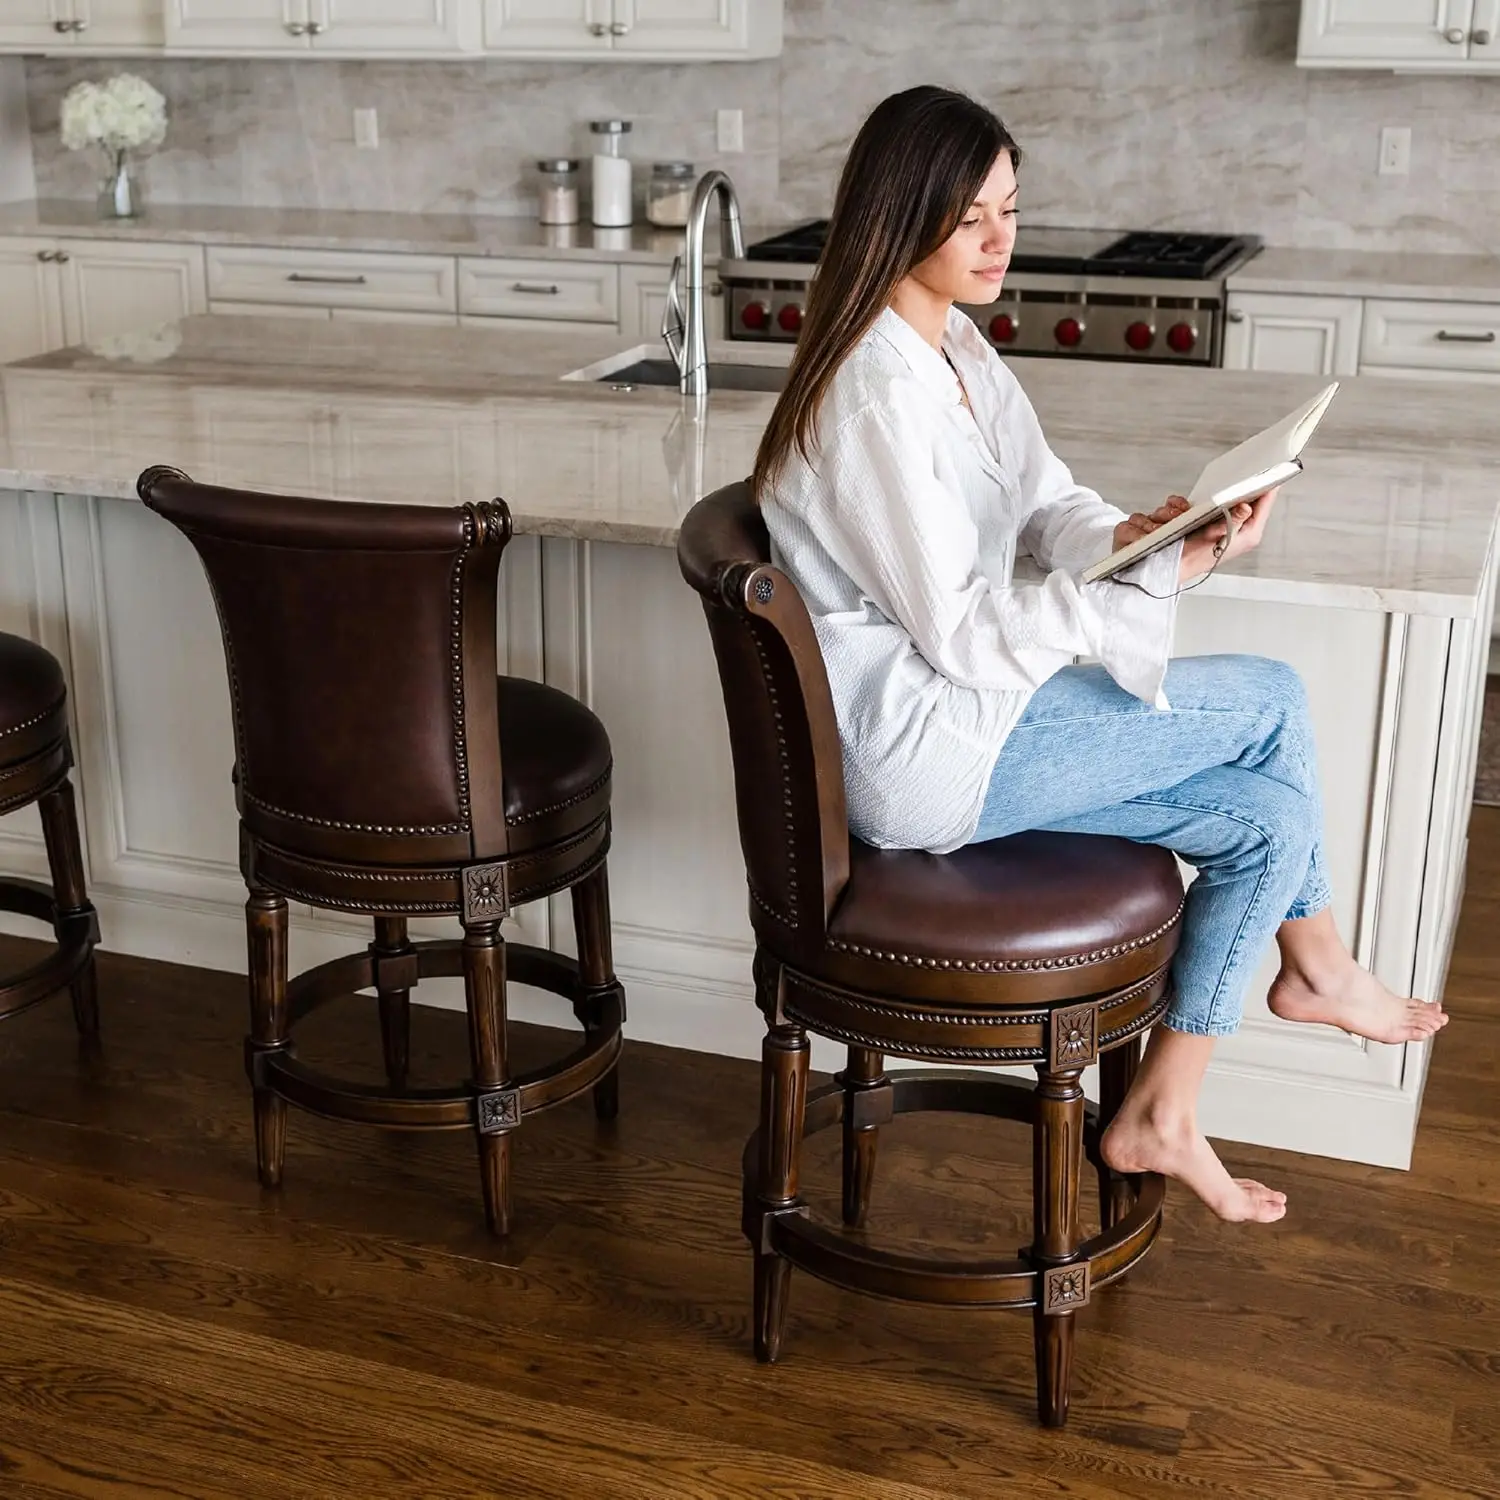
column 168, row 1330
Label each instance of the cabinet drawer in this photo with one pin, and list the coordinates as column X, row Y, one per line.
column 395, row 283
column 1432, row 335
column 547, row 289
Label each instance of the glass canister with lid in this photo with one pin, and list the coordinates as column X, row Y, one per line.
column 669, row 193
column 611, row 174
column 557, row 190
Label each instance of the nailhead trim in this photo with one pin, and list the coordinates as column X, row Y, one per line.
column 790, row 915
column 591, row 790
column 393, row 829
column 1006, row 966
column 46, row 713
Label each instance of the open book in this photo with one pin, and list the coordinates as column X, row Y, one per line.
column 1260, row 463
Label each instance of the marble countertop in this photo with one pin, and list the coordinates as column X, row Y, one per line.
column 328, row 229
column 1397, row 510
column 1372, row 273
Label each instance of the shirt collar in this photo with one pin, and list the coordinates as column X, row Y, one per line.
column 925, row 362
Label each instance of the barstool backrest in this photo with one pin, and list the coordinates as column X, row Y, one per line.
column 788, row 766
column 360, row 645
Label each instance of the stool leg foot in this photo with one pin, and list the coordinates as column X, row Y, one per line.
column 395, row 1005
column 865, row 1073
column 484, row 990
column 270, row 1022
column 1054, row 1365
column 59, row 814
column 1117, row 1070
column 596, row 967
column 270, row 1137
column 495, row 1159
column 773, row 1284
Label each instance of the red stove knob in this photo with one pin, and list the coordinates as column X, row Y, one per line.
column 1181, row 337
column 1068, row 332
column 1003, row 328
column 1140, row 336
column 756, row 316
column 790, row 318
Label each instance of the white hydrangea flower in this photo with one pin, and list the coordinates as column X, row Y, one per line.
column 125, row 114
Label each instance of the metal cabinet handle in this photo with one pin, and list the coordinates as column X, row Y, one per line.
column 46, row 255
column 61, row 257
column 62, row 27
column 327, row 280
column 316, row 28
column 531, row 286
column 1457, row 35
column 1482, row 38
column 297, row 28
column 1466, row 338
column 79, row 26
column 598, row 28
column 1235, row 315
column 619, row 28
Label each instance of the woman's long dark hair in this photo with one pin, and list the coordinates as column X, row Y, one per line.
column 912, row 173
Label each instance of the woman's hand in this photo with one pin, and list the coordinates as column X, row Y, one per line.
column 1203, row 549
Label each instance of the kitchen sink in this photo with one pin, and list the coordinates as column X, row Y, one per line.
column 721, row 377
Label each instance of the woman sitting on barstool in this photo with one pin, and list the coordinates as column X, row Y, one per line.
column 901, row 474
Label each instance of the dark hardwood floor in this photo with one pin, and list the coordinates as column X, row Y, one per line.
column 166, row 1329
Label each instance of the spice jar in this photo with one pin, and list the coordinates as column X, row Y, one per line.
column 557, row 191
column 669, row 194
column 611, row 174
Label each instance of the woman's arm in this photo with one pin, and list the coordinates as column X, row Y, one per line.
column 910, row 545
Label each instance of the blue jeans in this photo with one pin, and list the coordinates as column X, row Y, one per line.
column 1227, row 780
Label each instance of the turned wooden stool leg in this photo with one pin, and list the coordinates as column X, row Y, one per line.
column 498, row 1113
column 265, row 921
column 1057, row 1159
column 70, row 900
column 863, row 1081
column 596, row 966
column 395, row 1004
column 1117, row 1070
column 783, row 1105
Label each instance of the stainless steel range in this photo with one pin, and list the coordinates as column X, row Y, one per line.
column 1071, row 293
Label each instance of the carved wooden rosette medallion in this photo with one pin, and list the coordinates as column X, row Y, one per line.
column 486, row 894
column 499, row 1111
column 1074, row 1042
column 1065, row 1288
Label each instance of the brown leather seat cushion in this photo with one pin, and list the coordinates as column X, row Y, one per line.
column 1029, row 901
column 32, row 694
column 555, row 758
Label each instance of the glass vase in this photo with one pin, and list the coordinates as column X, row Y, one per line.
column 120, row 194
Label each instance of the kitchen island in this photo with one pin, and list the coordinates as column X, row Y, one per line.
column 1376, row 582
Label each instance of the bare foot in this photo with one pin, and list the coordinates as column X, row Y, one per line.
column 1133, row 1143
column 1352, row 998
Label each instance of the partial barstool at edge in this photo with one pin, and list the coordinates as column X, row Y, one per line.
column 36, row 754
column 382, row 766
column 1047, row 949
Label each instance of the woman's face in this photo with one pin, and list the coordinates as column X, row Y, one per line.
column 970, row 265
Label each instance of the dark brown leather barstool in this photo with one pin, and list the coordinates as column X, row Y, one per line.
column 36, row 754
column 383, row 767
column 1043, row 949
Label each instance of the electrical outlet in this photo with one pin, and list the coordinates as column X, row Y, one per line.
column 366, row 130
column 1395, row 150
column 731, row 131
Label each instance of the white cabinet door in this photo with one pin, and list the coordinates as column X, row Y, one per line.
column 1297, row 335
column 115, row 288
column 31, row 312
column 690, row 26
column 239, row 25
column 1385, row 31
column 392, row 25
column 547, row 26
column 30, row 25
column 115, row 23
column 643, row 301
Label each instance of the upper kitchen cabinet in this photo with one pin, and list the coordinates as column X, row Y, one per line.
column 636, row 30
column 80, row 25
column 349, row 28
column 1431, row 36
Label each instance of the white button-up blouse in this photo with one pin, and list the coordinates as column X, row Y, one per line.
column 902, row 536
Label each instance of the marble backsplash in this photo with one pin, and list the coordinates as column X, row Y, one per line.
column 1148, row 113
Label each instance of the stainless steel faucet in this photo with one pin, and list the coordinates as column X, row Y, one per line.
column 683, row 328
